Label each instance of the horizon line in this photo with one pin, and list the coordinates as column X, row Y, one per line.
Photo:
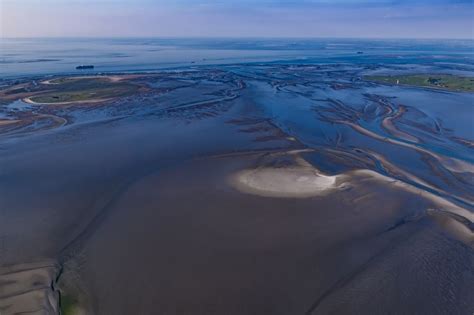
column 237, row 37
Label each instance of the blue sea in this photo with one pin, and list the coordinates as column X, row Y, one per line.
column 43, row 56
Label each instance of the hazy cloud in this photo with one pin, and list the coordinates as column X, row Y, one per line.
column 273, row 18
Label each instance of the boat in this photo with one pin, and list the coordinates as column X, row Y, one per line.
column 82, row 67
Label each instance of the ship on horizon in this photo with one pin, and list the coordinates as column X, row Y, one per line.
column 82, row 67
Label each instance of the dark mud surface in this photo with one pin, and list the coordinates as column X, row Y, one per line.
column 130, row 207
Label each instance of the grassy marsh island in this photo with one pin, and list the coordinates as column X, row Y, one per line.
column 439, row 81
column 83, row 89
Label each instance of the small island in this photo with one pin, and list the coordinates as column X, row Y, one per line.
column 92, row 89
column 438, row 81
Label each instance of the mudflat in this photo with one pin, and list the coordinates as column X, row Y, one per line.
column 243, row 189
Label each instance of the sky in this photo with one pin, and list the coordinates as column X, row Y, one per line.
column 243, row 18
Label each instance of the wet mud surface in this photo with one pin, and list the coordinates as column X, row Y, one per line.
column 130, row 206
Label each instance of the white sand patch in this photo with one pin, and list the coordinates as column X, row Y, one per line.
column 296, row 182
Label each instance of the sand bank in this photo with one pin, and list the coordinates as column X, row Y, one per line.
column 29, row 288
column 4, row 122
column 299, row 179
column 91, row 101
column 284, row 182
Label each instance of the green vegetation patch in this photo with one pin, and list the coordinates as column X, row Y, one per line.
column 69, row 305
column 84, row 89
column 440, row 81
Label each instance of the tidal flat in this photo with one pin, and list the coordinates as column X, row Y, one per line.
column 236, row 189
